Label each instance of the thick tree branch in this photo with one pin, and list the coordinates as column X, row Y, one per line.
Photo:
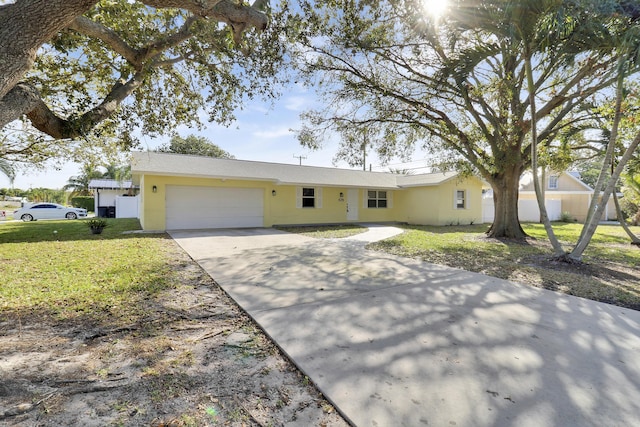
column 29, row 24
column 86, row 26
column 46, row 121
column 20, row 100
column 135, row 57
column 238, row 16
column 24, row 27
column 153, row 48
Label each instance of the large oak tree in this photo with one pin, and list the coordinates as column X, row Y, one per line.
column 459, row 82
column 78, row 70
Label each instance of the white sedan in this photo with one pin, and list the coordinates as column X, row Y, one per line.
column 48, row 211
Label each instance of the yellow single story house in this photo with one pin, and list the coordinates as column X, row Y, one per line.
column 194, row 192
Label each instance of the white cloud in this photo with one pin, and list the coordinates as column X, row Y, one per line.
column 296, row 103
column 273, row 133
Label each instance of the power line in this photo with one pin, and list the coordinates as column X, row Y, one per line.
column 403, row 164
column 300, row 158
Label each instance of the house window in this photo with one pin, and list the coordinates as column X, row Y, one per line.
column 461, row 199
column 376, row 199
column 308, row 197
column 553, row 182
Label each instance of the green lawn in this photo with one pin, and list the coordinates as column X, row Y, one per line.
column 59, row 268
column 610, row 273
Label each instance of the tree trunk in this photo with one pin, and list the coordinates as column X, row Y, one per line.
column 544, row 217
column 634, row 239
column 505, row 200
column 590, row 227
column 598, row 201
column 27, row 25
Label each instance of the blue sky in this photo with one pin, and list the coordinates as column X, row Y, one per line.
column 261, row 132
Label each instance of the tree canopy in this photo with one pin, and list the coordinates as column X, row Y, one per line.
column 83, row 74
column 458, row 84
column 78, row 185
column 194, row 145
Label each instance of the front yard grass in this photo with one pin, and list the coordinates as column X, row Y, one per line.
column 610, row 272
column 59, row 268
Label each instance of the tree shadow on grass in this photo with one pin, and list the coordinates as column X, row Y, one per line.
column 527, row 262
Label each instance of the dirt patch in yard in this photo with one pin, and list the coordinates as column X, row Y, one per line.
column 194, row 360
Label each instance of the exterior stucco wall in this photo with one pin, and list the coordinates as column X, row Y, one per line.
column 436, row 205
column 418, row 205
column 611, row 213
column 388, row 214
column 283, row 209
column 278, row 210
column 432, row 205
column 566, row 183
column 333, row 210
column 575, row 204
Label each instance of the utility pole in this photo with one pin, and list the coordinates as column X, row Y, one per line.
column 300, row 158
column 364, row 154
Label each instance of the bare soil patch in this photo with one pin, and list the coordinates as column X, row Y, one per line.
column 195, row 360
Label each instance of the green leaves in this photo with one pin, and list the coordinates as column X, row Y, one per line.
column 194, row 145
column 125, row 69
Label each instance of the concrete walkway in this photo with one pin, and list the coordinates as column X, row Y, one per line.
column 393, row 341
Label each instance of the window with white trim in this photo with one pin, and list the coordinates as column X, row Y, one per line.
column 377, row 199
column 309, row 197
column 553, row 182
column 461, row 199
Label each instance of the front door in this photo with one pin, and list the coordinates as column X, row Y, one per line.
column 352, row 204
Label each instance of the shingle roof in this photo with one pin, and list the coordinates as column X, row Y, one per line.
column 153, row 163
column 425, row 179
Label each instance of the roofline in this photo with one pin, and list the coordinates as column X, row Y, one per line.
column 257, row 162
column 431, row 184
column 560, row 192
column 197, row 175
column 274, row 181
column 578, row 180
column 138, row 172
column 112, row 187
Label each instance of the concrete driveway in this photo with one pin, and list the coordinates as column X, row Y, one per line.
column 394, row 341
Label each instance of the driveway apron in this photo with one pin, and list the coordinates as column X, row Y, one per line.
column 393, row 341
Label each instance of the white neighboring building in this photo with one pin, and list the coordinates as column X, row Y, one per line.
column 115, row 199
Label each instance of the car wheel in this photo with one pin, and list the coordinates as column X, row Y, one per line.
column 26, row 217
column 71, row 215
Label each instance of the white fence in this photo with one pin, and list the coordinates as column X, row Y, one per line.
column 127, row 206
column 527, row 210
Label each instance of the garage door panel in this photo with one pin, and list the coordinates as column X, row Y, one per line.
column 213, row 207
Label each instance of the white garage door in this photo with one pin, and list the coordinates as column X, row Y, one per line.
column 208, row 207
